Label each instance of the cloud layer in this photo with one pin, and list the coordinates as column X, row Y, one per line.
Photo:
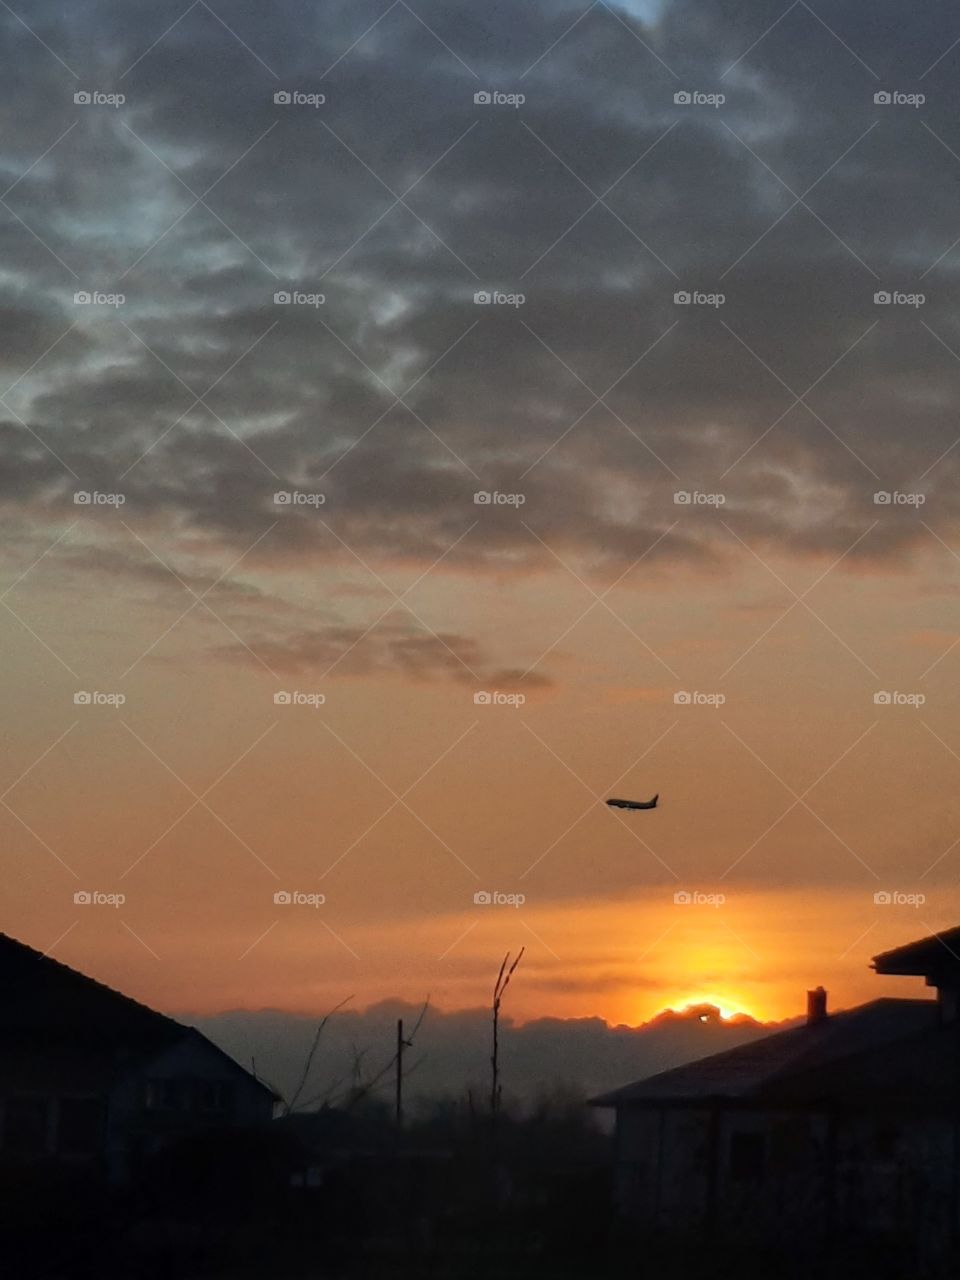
column 599, row 199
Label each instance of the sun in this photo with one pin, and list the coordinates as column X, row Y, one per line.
column 727, row 1007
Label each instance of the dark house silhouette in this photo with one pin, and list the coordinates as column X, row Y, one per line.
column 846, row 1125
column 91, row 1078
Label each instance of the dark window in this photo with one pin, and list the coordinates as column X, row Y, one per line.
column 80, row 1129
column 189, row 1095
column 214, row 1095
column 166, row 1095
column 747, row 1151
column 25, row 1126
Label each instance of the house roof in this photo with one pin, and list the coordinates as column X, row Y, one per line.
column 44, row 1002
column 751, row 1069
column 937, row 954
column 39, row 996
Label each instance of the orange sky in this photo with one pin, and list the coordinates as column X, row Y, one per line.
column 503, row 798
column 222, row 293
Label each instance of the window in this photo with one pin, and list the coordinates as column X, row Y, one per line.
column 747, row 1152
column 25, row 1126
column 165, row 1095
column 80, row 1126
column 189, row 1095
column 214, row 1095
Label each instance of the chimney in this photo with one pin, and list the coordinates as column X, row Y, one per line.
column 816, row 1006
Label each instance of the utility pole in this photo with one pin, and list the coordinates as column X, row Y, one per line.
column 401, row 1045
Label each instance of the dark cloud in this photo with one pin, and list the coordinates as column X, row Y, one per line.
column 491, row 398
column 401, row 647
column 452, row 1048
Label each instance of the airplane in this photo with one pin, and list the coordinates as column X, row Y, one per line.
column 634, row 804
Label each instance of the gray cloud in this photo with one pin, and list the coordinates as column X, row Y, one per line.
column 306, row 397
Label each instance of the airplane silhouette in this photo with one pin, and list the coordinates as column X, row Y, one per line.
column 634, row 804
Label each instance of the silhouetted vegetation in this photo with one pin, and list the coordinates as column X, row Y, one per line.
column 341, row 1194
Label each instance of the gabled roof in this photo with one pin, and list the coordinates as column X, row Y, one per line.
column 751, row 1069
column 46, row 1003
column 40, row 997
column 937, row 954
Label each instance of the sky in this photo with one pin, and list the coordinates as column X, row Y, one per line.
column 421, row 422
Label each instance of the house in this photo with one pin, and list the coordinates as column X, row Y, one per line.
column 92, row 1079
column 846, row 1125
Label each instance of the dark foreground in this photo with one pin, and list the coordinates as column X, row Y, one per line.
column 337, row 1197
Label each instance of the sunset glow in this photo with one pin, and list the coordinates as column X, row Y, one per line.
column 380, row 620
